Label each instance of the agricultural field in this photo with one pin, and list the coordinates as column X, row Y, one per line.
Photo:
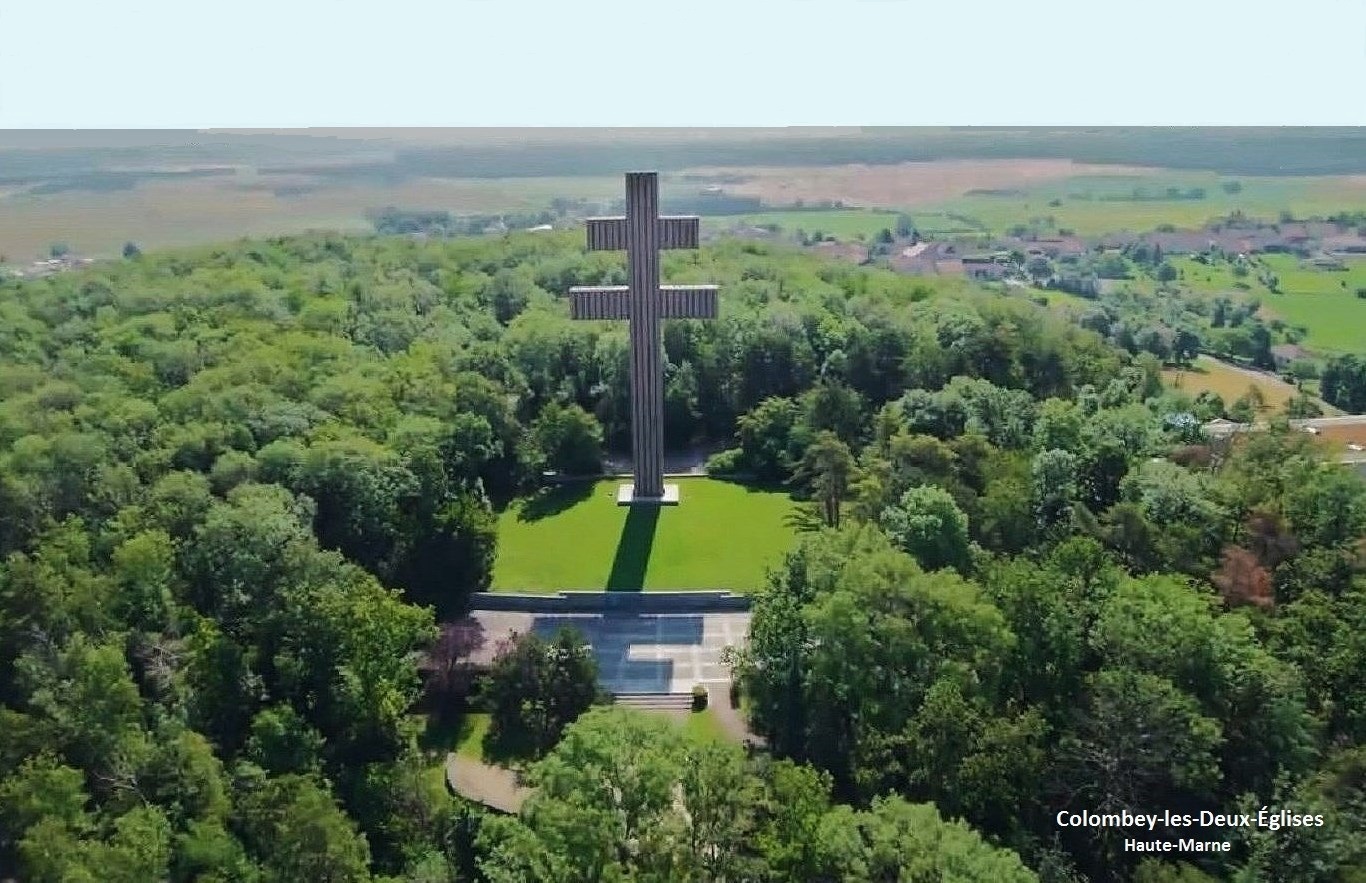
column 896, row 185
column 1092, row 205
column 1230, row 382
column 846, row 224
column 840, row 223
column 575, row 536
column 996, row 195
column 203, row 210
column 1323, row 301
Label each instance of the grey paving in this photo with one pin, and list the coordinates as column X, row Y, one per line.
column 637, row 653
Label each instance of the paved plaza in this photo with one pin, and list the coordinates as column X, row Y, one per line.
column 637, row 653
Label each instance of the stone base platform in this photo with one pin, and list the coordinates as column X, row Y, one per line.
column 626, row 496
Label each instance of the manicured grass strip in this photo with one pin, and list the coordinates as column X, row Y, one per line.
column 705, row 726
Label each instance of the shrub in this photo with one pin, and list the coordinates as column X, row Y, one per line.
column 724, row 463
column 699, row 697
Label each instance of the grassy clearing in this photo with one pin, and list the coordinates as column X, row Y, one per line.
column 1216, row 279
column 1230, row 382
column 1323, row 301
column 722, row 536
column 462, row 734
column 473, row 727
column 705, row 726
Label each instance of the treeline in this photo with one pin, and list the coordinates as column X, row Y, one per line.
column 1248, row 151
column 391, row 221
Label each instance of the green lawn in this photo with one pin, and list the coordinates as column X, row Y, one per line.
column 722, row 536
column 1323, row 301
column 473, row 727
column 705, row 727
column 463, row 735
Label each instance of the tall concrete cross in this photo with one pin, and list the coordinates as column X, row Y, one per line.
column 642, row 233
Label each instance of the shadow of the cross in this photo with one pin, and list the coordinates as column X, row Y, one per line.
column 633, row 550
column 554, row 499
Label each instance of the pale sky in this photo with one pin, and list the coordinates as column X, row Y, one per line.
column 291, row 63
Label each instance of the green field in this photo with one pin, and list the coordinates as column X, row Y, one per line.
column 1323, row 301
column 841, row 223
column 704, row 726
column 1094, row 205
column 722, row 536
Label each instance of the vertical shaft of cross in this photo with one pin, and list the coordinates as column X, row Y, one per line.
column 647, row 374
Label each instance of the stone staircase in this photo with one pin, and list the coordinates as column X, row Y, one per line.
column 675, row 702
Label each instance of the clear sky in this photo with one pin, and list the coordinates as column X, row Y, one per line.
column 288, row 63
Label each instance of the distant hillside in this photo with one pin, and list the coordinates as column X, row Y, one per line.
column 389, row 154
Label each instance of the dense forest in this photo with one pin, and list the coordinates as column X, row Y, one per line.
column 241, row 486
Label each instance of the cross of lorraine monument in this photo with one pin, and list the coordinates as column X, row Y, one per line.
column 642, row 233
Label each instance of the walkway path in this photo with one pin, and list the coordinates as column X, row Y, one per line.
column 493, row 786
column 731, row 718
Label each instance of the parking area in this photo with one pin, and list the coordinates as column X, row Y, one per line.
column 638, row 653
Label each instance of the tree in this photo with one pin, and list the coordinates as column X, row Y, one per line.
column 131, row 250
column 1185, row 347
column 825, row 472
column 298, row 831
column 928, row 524
column 1343, row 383
column 41, row 789
column 1302, row 406
column 604, row 805
column 847, row 623
column 1242, row 580
column 1054, row 477
column 451, row 673
column 1327, row 506
column 535, row 689
column 832, row 406
column 900, row 840
column 566, row 438
column 1134, row 735
column 772, row 438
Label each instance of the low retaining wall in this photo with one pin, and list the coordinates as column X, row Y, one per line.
column 613, row 602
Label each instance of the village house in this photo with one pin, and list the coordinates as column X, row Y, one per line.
column 985, row 267
column 1050, row 246
column 845, row 251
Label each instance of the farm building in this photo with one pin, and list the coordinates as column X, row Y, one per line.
column 984, row 267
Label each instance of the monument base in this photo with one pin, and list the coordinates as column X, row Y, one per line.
column 626, row 496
